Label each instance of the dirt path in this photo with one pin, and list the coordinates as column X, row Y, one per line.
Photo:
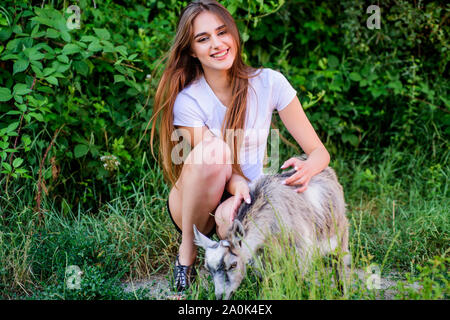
column 159, row 286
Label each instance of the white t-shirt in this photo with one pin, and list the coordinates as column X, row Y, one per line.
column 197, row 106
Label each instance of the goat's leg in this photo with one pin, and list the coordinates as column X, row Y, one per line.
column 342, row 270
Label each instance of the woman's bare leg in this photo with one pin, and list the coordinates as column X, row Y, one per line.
column 200, row 188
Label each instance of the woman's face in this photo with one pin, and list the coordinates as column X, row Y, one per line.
column 213, row 44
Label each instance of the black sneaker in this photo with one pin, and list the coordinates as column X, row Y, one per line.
column 183, row 275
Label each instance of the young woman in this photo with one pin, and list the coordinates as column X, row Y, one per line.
column 209, row 94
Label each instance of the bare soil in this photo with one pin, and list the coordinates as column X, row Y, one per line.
column 160, row 288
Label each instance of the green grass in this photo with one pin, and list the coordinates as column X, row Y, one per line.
column 398, row 209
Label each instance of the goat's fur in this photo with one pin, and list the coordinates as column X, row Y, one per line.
column 315, row 220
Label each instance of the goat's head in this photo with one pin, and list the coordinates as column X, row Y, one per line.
column 223, row 260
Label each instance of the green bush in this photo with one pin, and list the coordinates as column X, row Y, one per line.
column 94, row 284
column 431, row 282
column 69, row 96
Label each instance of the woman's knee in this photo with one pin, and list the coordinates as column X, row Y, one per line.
column 210, row 158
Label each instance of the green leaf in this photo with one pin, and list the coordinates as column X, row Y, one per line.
column 102, row 34
column 37, row 116
column 7, row 167
column 26, row 140
column 122, row 50
column 52, row 33
column 81, row 67
column 65, row 36
column 63, row 58
column 95, row 46
column 5, row 94
column 10, row 57
column 323, row 63
column 52, row 80
column 36, row 33
column 38, row 71
column 17, row 29
column 12, row 126
column 5, row 33
column 18, row 98
column 45, row 89
column 21, row 89
column 17, row 162
column 81, row 150
column 48, row 71
column 108, row 46
column 232, row 8
column 61, row 68
column 33, row 53
column 22, row 171
column 70, row 48
column 60, row 24
column 118, row 78
column 20, row 65
column 333, row 62
column 245, row 36
column 351, row 138
column 355, row 76
column 13, row 112
column 89, row 39
column 397, row 85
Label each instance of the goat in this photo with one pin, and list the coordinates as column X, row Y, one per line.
column 315, row 219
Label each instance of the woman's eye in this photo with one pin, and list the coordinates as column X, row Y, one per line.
column 202, row 39
column 222, row 33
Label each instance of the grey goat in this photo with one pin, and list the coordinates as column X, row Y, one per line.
column 315, row 219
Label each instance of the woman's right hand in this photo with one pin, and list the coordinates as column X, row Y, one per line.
column 242, row 192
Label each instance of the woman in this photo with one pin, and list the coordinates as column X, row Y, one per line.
column 207, row 93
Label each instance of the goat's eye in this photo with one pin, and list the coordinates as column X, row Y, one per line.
column 233, row 265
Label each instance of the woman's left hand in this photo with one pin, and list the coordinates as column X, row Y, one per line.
column 302, row 176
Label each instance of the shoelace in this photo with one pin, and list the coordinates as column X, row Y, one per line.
column 182, row 275
column 181, row 278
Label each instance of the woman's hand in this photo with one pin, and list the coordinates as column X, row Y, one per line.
column 242, row 192
column 305, row 171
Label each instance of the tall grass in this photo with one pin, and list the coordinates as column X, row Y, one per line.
column 129, row 236
column 398, row 206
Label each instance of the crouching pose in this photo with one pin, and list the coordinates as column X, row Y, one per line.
column 315, row 219
column 222, row 108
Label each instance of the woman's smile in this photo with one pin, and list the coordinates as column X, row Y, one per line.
column 221, row 55
column 213, row 45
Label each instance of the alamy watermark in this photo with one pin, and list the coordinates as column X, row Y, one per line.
column 73, row 277
column 373, row 280
column 74, row 21
column 374, row 21
column 253, row 147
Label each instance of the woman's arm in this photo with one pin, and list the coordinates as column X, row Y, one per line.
column 298, row 125
column 238, row 186
column 235, row 181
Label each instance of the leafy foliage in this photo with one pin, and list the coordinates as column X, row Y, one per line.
column 69, row 95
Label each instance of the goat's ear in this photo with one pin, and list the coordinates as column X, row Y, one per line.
column 203, row 241
column 237, row 233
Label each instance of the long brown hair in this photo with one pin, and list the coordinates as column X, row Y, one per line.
column 181, row 69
